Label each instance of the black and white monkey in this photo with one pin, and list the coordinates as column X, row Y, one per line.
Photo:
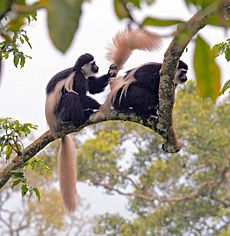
column 66, row 101
column 138, row 90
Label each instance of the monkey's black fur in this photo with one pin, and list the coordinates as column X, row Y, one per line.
column 75, row 106
column 142, row 95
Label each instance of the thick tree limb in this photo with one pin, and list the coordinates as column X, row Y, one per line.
column 183, row 36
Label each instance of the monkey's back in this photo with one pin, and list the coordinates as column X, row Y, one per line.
column 57, row 78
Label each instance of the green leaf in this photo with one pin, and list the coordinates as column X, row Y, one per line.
column 27, row 40
column 16, row 182
column 225, row 87
column 22, row 60
column 18, row 173
column 120, row 10
column 8, row 151
column 24, row 189
column 37, row 193
column 160, row 22
column 63, row 21
column 218, row 49
column 206, row 70
column 222, row 48
column 227, row 53
column 21, row 40
column 16, row 59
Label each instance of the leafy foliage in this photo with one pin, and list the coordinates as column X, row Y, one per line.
column 10, row 46
column 223, row 48
column 12, row 33
column 11, row 133
column 19, row 179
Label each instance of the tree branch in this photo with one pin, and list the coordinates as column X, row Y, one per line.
column 46, row 138
column 183, row 36
column 204, row 189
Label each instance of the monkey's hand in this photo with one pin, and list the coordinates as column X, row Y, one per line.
column 113, row 70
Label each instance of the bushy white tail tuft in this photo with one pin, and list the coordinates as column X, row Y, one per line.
column 67, row 173
column 128, row 40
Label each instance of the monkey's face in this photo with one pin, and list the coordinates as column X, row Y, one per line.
column 89, row 69
column 181, row 77
column 94, row 67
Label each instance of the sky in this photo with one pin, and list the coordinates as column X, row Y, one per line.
column 22, row 91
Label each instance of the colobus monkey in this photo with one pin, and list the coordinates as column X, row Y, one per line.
column 66, row 101
column 118, row 53
column 138, row 90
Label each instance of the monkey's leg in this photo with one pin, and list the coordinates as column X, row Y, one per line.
column 89, row 103
column 140, row 100
column 70, row 109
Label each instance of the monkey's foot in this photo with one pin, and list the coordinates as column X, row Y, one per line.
column 98, row 116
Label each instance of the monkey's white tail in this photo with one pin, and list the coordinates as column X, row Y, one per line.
column 128, row 40
column 67, row 173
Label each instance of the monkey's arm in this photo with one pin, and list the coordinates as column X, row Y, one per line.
column 97, row 85
column 57, row 78
column 89, row 103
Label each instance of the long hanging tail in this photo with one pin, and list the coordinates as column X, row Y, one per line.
column 67, row 173
column 128, row 40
